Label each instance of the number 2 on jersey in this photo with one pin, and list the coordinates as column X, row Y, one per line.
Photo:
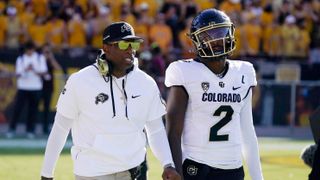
column 215, row 128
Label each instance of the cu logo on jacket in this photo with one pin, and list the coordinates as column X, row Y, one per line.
column 101, row 98
column 192, row 170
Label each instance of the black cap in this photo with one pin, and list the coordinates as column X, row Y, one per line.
column 119, row 31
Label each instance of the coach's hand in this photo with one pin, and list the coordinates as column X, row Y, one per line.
column 170, row 173
column 45, row 178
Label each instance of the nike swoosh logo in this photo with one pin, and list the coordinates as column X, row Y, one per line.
column 135, row 96
column 106, row 37
column 235, row 88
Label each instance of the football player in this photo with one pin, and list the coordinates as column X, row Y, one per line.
column 209, row 111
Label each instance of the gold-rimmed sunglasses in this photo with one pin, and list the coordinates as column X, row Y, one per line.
column 124, row 45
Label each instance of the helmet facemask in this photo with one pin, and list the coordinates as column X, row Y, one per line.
column 215, row 40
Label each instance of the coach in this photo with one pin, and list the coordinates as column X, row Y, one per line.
column 107, row 105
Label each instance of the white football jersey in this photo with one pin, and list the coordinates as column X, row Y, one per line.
column 108, row 137
column 212, row 133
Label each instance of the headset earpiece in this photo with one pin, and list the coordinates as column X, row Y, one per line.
column 104, row 65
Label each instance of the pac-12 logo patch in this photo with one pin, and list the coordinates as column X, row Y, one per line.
column 192, row 170
column 101, row 98
column 205, row 86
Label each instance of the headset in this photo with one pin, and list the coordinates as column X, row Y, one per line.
column 104, row 66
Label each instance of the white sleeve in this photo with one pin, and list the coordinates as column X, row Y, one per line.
column 158, row 141
column 253, row 76
column 250, row 78
column 55, row 144
column 174, row 75
column 67, row 104
column 157, row 106
column 250, row 142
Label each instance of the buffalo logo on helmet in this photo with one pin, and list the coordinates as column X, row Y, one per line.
column 205, row 86
column 101, row 98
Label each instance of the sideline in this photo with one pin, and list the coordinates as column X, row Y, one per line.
column 37, row 143
column 265, row 143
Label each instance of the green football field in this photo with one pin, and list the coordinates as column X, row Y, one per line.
column 280, row 160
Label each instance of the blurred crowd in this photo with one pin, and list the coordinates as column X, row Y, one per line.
column 270, row 28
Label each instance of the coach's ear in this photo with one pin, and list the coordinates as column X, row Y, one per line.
column 44, row 178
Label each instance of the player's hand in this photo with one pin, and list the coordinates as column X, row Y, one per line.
column 45, row 178
column 170, row 173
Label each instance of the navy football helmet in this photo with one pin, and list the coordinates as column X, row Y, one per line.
column 212, row 33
